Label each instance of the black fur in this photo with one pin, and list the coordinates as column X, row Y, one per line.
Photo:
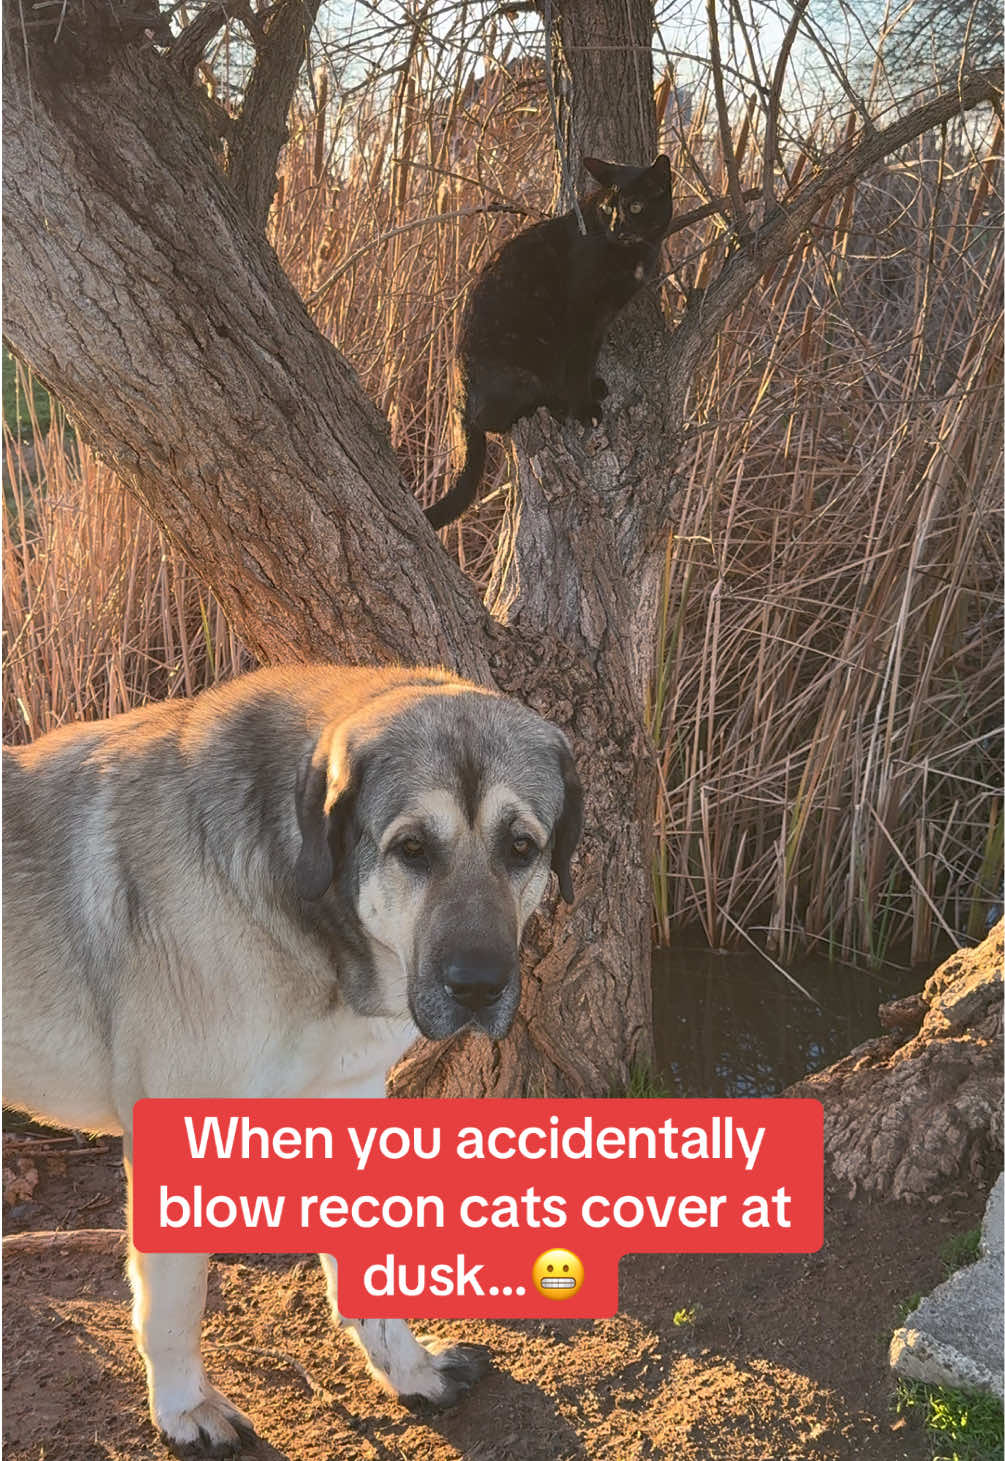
column 569, row 827
column 465, row 488
column 536, row 318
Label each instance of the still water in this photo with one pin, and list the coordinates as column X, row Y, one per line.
column 728, row 1024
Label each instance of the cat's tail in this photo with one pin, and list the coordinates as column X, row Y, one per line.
column 465, row 488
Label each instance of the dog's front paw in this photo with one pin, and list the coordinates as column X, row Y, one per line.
column 446, row 1373
column 211, row 1428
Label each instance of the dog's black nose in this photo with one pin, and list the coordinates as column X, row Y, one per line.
column 476, row 982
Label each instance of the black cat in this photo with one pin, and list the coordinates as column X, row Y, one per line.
column 536, row 318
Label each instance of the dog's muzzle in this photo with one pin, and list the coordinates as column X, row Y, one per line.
column 475, row 982
column 477, row 988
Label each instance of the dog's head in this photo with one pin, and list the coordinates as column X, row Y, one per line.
column 429, row 823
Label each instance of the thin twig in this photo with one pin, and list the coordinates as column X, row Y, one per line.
column 740, row 218
column 774, row 106
column 277, row 1356
column 432, row 218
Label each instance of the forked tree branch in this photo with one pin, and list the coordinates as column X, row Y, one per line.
column 190, row 46
column 775, row 105
column 280, row 36
column 260, row 130
column 725, row 131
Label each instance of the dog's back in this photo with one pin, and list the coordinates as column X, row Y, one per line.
column 126, row 845
column 66, row 900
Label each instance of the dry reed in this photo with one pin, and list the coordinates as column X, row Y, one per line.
column 100, row 612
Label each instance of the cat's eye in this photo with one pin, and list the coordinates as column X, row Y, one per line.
column 636, row 207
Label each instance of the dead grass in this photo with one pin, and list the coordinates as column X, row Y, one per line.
column 100, row 613
column 828, row 706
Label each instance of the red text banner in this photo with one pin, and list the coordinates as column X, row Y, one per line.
column 481, row 1208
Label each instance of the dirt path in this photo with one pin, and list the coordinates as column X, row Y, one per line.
column 777, row 1359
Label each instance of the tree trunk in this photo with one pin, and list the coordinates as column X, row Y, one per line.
column 139, row 290
column 603, row 72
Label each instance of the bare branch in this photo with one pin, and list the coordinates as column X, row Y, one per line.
column 754, row 59
column 826, row 50
column 260, row 130
column 190, row 46
column 774, row 106
column 434, row 219
column 714, row 205
column 725, row 131
column 780, row 233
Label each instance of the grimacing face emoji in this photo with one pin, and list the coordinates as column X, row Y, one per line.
column 557, row 1274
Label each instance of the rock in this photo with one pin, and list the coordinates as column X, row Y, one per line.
column 954, row 1337
column 993, row 1226
column 915, row 1110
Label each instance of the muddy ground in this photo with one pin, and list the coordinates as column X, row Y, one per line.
column 779, row 1358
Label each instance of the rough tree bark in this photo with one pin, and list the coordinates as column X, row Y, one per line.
column 140, row 289
column 602, row 68
column 920, row 1109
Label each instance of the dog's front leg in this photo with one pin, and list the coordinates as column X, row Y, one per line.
column 169, row 1296
column 411, row 1369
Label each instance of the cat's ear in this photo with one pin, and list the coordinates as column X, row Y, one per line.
column 607, row 173
column 660, row 172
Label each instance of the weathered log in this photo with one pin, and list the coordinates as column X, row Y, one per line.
column 908, row 1114
column 94, row 1240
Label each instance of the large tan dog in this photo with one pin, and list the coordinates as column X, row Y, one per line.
column 268, row 891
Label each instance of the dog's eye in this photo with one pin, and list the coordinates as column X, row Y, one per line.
column 523, row 848
column 411, row 849
column 636, row 207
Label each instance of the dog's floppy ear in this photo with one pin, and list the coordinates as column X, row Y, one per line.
column 324, row 809
column 569, row 825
